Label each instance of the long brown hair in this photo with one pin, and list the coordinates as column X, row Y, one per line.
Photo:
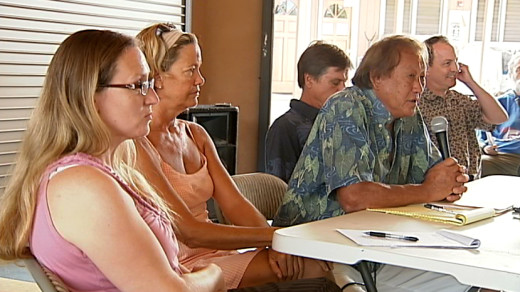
column 64, row 122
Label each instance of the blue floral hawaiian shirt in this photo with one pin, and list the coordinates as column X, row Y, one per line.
column 350, row 143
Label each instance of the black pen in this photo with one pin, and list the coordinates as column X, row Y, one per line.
column 390, row 235
column 438, row 208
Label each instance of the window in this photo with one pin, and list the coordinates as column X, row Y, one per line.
column 428, row 17
column 286, row 7
column 505, row 26
column 390, row 17
column 407, row 17
column 419, row 17
column 335, row 11
column 498, row 46
column 479, row 28
column 512, row 21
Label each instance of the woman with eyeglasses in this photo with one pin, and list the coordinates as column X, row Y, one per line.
column 180, row 159
column 74, row 200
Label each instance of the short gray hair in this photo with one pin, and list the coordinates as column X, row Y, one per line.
column 515, row 59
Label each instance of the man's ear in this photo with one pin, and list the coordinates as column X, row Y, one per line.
column 375, row 80
column 308, row 79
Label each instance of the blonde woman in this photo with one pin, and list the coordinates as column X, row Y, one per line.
column 74, row 199
column 180, row 160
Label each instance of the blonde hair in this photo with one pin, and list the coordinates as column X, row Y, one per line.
column 64, row 122
column 161, row 43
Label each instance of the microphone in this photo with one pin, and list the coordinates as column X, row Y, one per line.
column 439, row 126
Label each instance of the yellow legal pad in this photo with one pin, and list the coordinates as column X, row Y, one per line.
column 452, row 214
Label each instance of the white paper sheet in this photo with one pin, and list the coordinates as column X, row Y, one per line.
column 440, row 239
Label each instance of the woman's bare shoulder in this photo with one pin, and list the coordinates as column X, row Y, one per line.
column 84, row 186
column 197, row 132
column 192, row 126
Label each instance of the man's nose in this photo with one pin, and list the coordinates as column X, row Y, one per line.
column 418, row 85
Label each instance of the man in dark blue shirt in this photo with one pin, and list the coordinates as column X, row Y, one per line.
column 322, row 71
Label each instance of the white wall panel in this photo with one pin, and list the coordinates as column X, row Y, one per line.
column 30, row 33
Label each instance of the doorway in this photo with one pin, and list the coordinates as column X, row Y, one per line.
column 289, row 26
column 295, row 25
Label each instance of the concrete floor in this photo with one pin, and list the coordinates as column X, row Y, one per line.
column 14, row 277
column 9, row 285
column 15, row 271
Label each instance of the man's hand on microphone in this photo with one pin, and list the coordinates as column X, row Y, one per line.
column 445, row 181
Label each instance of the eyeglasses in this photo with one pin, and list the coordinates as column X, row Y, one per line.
column 143, row 86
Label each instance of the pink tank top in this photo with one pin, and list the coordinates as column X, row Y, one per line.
column 76, row 270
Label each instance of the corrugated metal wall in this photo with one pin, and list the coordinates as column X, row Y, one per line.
column 30, row 32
